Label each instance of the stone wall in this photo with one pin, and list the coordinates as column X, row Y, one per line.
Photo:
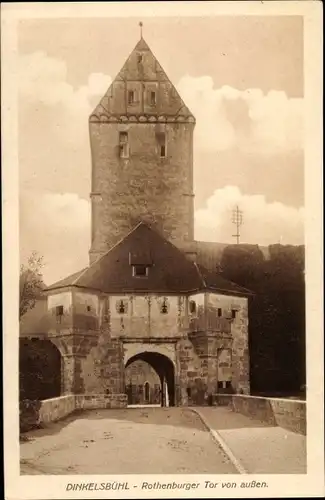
column 56, row 408
column 238, row 338
column 143, row 317
column 208, row 347
column 145, row 187
column 35, row 413
column 287, row 413
column 95, row 401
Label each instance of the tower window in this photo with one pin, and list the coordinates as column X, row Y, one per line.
column 124, row 145
column 131, row 98
column 140, row 271
column 219, row 312
column 139, row 58
column 153, row 98
column 161, row 139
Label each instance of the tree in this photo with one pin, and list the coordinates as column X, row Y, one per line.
column 31, row 283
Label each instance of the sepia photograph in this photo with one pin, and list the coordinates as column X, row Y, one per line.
column 161, row 243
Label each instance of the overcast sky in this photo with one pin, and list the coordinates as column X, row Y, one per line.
column 242, row 77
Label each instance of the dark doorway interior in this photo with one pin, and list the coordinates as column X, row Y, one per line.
column 165, row 370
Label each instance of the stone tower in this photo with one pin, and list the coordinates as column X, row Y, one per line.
column 141, row 137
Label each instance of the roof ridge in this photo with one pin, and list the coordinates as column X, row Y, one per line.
column 112, row 248
column 82, row 272
column 226, row 279
column 200, row 274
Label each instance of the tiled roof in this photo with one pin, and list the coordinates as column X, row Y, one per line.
column 68, row 281
column 214, row 281
column 114, row 109
column 171, row 271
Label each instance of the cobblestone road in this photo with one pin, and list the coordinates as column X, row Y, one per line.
column 130, row 441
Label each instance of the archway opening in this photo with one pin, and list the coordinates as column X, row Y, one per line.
column 150, row 374
column 39, row 369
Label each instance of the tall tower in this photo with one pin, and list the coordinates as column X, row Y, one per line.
column 141, row 138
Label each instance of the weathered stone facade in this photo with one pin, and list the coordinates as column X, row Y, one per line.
column 207, row 347
column 142, row 183
column 188, row 324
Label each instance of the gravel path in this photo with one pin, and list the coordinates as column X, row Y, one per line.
column 130, row 441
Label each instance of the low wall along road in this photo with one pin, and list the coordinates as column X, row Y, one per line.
column 34, row 413
column 286, row 413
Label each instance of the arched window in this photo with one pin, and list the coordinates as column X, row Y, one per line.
column 147, row 392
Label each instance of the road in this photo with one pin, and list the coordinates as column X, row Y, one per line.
column 129, row 441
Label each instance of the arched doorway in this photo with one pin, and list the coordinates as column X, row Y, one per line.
column 39, row 369
column 164, row 368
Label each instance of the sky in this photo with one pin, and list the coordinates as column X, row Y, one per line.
column 242, row 78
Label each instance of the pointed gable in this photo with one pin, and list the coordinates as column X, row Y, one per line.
column 169, row 270
column 141, row 89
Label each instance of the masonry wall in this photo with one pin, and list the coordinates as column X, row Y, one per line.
column 209, row 351
column 237, row 341
column 143, row 187
column 143, row 317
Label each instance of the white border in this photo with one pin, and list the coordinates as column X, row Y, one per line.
column 40, row 487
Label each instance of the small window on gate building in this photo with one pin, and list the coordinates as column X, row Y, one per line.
column 192, row 306
column 59, row 311
column 219, row 312
column 164, row 308
column 121, row 306
column 233, row 313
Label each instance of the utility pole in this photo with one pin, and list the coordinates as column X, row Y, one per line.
column 237, row 219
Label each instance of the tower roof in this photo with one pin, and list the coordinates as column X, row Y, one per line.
column 142, row 73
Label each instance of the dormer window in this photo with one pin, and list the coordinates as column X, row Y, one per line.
column 140, row 271
column 124, row 145
column 152, row 98
column 131, row 97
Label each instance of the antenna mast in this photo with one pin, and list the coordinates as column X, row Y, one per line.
column 237, row 219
